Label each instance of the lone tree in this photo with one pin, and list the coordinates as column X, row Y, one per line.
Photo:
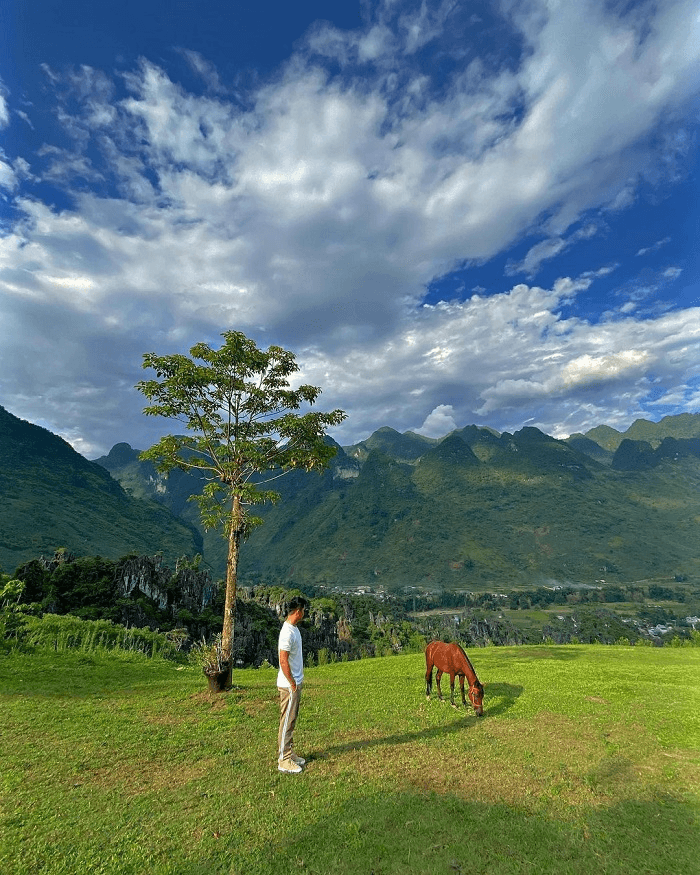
column 246, row 430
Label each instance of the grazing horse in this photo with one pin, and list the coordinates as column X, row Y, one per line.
column 452, row 659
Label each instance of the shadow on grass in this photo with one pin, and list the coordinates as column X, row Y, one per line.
column 416, row 833
column 500, row 697
column 505, row 693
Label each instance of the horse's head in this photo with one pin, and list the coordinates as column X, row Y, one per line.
column 476, row 697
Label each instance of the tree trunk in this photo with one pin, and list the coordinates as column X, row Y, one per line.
column 234, row 540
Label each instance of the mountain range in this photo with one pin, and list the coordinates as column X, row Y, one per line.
column 481, row 510
column 475, row 510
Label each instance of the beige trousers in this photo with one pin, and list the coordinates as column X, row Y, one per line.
column 289, row 709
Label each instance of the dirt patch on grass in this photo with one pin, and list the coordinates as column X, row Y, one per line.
column 256, row 707
column 215, row 701
column 130, row 779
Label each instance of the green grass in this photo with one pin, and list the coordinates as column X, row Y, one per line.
column 588, row 761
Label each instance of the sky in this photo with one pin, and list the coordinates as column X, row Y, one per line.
column 453, row 213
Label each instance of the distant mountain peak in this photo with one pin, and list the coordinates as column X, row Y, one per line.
column 120, row 454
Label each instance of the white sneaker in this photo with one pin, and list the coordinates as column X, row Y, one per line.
column 300, row 761
column 288, row 766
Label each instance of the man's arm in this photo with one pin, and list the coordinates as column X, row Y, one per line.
column 286, row 670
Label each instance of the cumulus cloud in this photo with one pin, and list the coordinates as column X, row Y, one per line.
column 316, row 217
column 438, row 422
column 499, row 360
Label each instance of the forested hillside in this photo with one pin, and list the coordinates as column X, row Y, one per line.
column 476, row 510
column 53, row 497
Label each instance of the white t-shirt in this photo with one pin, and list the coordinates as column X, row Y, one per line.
column 290, row 640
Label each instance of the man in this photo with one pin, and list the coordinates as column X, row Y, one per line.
column 289, row 682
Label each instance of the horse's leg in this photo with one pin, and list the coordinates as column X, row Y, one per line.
column 452, row 690
column 461, row 686
column 428, row 681
column 437, row 681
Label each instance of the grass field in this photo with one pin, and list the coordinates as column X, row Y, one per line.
column 587, row 761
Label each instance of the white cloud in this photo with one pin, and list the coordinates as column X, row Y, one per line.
column 438, row 422
column 547, row 249
column 204, row 69
column 425, row 24
column 4, row 110
column 376, row 43
column 8, row 180
column 501, row 359
column 653, row 248
column 317, row 217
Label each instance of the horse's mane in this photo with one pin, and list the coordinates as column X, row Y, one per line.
column 461, row 650
column 468, row 661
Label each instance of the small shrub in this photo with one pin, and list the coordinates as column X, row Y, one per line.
column 676, row 641
column 12, row 619
column 209, row 656
column 178, row 638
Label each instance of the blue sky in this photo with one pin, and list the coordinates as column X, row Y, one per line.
column 454, row 213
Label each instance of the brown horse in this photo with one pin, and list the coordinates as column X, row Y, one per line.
column 452, row 659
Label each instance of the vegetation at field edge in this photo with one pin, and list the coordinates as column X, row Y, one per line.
column 587, row 760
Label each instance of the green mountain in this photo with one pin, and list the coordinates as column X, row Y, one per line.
column 503, row 511
column 476, row 510
column 52, row 497
column 406, row 447
column 589, row 447
column 685, row 425
column 142, row 480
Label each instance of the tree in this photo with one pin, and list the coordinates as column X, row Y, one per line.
column 246, row 429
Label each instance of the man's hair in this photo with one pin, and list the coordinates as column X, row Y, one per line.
column 297, row 602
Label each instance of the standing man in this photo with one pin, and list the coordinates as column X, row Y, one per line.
column 289, row 681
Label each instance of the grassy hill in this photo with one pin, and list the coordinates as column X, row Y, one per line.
column 586, row 761
column 53, row 497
